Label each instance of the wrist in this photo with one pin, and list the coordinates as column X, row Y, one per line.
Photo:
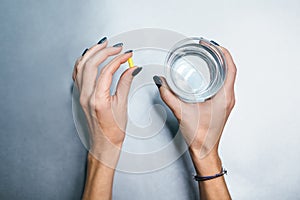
column 108, row 157
column 208, row 165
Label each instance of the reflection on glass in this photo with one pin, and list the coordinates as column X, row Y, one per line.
column 195, row 69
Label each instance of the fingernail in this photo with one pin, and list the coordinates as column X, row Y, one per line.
column 157, row 81
column 214, row 43
column 118, row 44
column 84, row 52
column 128, row 51
column 102, row 40
column 136, row 71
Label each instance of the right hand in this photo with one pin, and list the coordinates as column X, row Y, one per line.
column 202, row 123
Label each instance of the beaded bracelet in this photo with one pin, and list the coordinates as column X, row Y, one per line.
column 205, row 178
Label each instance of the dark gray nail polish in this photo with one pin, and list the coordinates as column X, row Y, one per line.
column 214, row 43
column 84, row 52
column 118, row 44
column 102, row 40
column 136, row 71
column 157, row 81
column 128, row 51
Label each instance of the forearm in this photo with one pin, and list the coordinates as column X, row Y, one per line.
column 99, row 180
column 210, row 165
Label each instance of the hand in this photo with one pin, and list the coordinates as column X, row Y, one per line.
column 106, row 115
column 202, row 123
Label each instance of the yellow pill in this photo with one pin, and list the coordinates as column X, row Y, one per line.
column 130, row 62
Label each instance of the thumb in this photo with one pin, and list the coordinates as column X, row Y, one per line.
column 172, row 101
column 125, row 81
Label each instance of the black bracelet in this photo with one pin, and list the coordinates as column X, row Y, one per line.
column 205, row 178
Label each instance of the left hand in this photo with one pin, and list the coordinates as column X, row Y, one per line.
column 106, row 114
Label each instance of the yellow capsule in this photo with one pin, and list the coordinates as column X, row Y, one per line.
column 130, row 62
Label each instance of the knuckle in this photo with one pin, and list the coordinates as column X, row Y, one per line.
column 99, row 105
column 231, row 103
column 92, row 103
column 234, row 69
column 83, row 101
column 78, row 67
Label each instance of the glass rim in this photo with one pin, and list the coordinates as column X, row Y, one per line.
column 189, row 46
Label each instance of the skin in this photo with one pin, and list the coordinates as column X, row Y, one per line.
column 201, row 123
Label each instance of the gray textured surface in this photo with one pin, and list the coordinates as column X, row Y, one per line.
column 41, row 156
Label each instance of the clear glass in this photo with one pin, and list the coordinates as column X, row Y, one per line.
column 195, row 69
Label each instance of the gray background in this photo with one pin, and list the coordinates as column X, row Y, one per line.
column 41, row 155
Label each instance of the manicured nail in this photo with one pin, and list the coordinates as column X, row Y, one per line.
column 118, row 44
column 136, row 71
column 128, row 51
column 157, row 81
column 214, row 43
column 84, row 52
column 102, row 40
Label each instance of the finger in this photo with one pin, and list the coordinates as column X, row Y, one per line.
column 105, row 78
column 80, row 63
column 90, row 71
column 168, row 96
column 91, row 51
column 74, row 75
column 87, row 54
column 231, row 69
column 125, row 81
